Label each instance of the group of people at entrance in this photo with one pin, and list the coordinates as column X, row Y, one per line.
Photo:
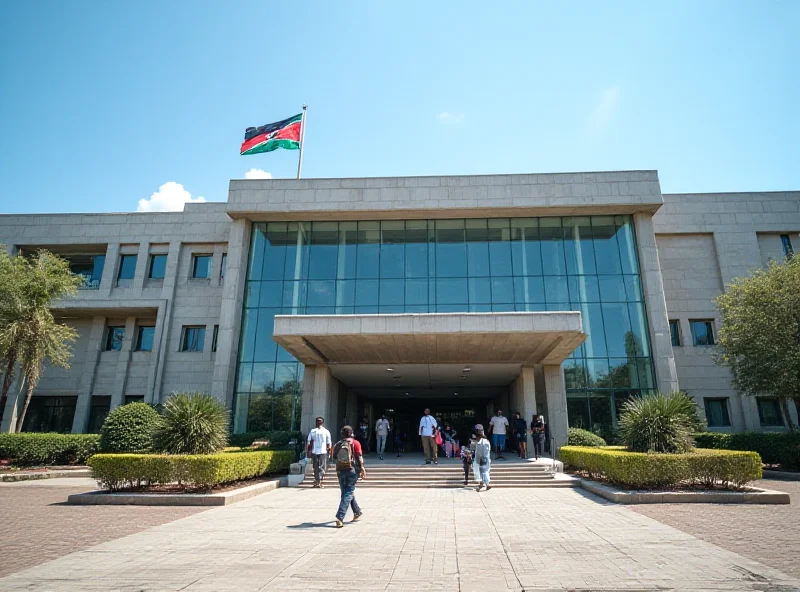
column 433, row 437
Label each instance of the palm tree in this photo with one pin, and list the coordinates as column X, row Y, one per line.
column 29, row 333
column 10, row 308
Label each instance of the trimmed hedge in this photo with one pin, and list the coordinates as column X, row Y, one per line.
column 579, row 437
column 641, row 470
column 201, row 471
column 775, row 448
column 32, row 449
column 278, row 438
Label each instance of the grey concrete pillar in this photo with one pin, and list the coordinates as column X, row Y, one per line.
column 556, row 403
column 142, row 263
column 109, row 277
column 526, row 389
column 656, row 304
column 164, row 319
column 352, row 410
column 86, row 382
column 307, row 417
column 230, row 319
column 123, row 362
column 153, row 394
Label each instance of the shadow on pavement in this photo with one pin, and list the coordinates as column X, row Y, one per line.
column 328, row 524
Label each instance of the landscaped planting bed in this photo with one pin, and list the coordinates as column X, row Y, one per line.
column 701, row 468
column 782, row 449
column 37, row 450
column 185, row 472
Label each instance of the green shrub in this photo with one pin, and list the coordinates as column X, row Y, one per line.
column 647, row 471
column 579, row 437
column 129, row 428
column 278, row 439
column 775, row 448
column 30, row 449
column 120, row 471
column 661, row 422
column 192, row 423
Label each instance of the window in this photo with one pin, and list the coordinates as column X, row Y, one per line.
column 769, row 413
column 675, row 333
column 214, row 338
column 127, row 267
column 702, row 332
column 158, row 267
column 717, row 413
column 114, row 338
column 223, row 265
column 201, row 266
column 193, row 338
column 144, row 340
column 50, row 414
column 90, row 267
column 101, row 404
column 788, row 251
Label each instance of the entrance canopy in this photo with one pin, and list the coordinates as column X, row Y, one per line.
column 434, row 338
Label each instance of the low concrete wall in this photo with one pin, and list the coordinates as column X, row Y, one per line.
column 751, row 495
column 34, row 475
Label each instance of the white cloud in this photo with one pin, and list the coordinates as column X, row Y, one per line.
column 448, row 117
column 170, row 197
column 604, row 110
column 257, row 174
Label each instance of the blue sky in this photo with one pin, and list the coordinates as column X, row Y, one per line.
column 103, row 103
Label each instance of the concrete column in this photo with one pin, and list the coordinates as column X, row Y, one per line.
column 319, row 395
column 230, row 320
column 307, row 417
column 86, row 382
column 142, row 262
column 109, row 276
column 526, row 384
column 121, row 377
column 164, row 319
column 655, row 303
column 556, row 403
column 153, row 395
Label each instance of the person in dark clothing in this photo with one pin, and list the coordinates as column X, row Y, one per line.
column 399, row 441
column 520, row 435
column 537, row 434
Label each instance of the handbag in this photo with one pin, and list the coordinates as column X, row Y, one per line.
column 438, row 437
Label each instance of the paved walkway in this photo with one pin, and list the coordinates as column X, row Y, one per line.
column 427, row 539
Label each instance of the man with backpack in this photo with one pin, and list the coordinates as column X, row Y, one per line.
column 349, row 466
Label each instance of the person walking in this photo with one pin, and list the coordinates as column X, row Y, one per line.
column 399, row 440
column 466, row 462
column 318, row 448
column 537, row 434
column 483, row 459
column 363, row 434
column 498, row 426
column 427, row 431
column 449, row 435
column 349, row 467
column 381, row 433
column 521, row 435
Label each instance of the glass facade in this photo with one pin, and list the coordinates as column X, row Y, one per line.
column 587, row 264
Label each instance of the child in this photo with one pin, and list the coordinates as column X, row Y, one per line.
column 466, row 461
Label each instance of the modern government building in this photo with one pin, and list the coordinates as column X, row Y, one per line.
column 557, row 294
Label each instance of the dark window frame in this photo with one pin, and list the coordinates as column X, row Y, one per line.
column 762, row 401
column 139, row 333
column 110, row 332
column 222, row 265
column 195, row 345
column 675, row 336
column 786, row 241
column 195, row 258
column 122, row 259
column 214, row 338
column 709, row 323
column 150, row 266
column 726, row 411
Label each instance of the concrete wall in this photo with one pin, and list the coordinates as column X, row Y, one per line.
column 705, row 241
column 168, row 304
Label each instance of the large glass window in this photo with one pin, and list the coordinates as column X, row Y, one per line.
column 50, row 414
column 158, row 267
column 588, row 264
column 201, row 266
column 114, row 338
column 702, row 332
column 144, row 339
column 127, row 267
column 769, row 413
column 193, row 338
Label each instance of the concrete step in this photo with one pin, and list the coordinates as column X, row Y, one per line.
column 306, row 484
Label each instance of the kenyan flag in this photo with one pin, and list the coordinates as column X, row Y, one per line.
column 281, row 134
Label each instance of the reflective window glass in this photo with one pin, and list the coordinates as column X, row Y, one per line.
column 451, row 251
column 529, row 289
column 477, row 238
column 274, row 255
column 367, row 293
column 416, row 292
column 392, row 257
column 502, row 290
column 627, row 244
column 323, row 250
column 579, row 246
column 391, row 293
column 480, row 290
column 158, row 267
column 612, row 288
column 552, row 245
column 606, row 247
column 526, row 249
column 368, row 252
column 451, row 291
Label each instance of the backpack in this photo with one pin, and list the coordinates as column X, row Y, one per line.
column 344, row 455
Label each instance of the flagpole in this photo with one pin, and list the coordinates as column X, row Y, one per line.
column 302, row 141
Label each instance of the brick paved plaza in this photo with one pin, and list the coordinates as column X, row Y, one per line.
column 424, row 539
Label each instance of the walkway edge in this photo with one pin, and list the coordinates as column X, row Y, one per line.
column 621, row 496
column 225, row 498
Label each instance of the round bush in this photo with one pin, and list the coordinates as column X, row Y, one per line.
column 661, row 422
column 579, row 437
column 129, row 428
column 192, row 423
